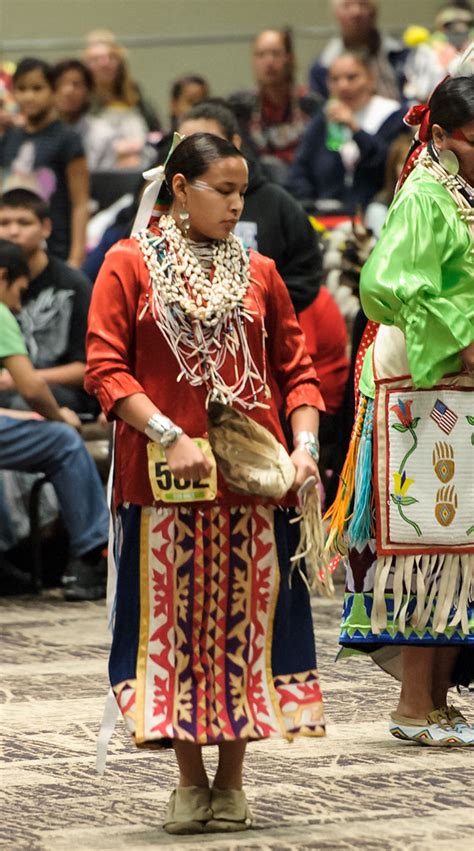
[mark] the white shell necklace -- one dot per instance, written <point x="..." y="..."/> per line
<point x="204" y="321"/>
<point x="453" y="183"/>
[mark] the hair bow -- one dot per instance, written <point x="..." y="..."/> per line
<point x="419" y="116"/>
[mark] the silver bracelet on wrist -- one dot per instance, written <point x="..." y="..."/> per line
<point x="309" y="442"/>
<point x="162" y="430"/>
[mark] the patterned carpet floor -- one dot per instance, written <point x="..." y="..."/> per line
<point x="356" y="789"/>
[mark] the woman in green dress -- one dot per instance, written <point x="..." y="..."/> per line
<point x="405" y="508"/>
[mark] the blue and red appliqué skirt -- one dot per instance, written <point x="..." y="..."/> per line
<point x="211" y="643"/>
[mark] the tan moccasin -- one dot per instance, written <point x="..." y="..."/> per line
<point x="230" y="811"/>
<point x="188" y="810"/>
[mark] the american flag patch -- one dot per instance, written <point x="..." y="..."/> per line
<point x="443" y="416"/>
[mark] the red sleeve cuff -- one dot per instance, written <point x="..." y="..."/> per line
<point x="304" y="394"/>
<point x="113" y="388"/>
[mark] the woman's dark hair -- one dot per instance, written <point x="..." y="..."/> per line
<point x="73" y="65"/>
<point x="31" y="63"/>
<point x="452" y="103"/>
<point x="214" y="109"/>
<point x="189" y="80"/>
<point x="195" y="154"/>
<point x="287" y="41"/>
<point x="13" y="261"/>
<point x="287" y="38"/>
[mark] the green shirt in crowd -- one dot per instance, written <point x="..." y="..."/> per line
<point x="11" y="339"/>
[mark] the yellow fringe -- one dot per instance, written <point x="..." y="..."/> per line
<point x="338" y="513"/>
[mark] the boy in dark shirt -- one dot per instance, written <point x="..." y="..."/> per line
<point x="47" y="157"/>
<point x="53" y="319"/>
<point x="52" y="448"/>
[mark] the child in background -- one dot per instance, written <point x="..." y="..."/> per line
<point x="47" y="157"/>
<point x="73" y="87"/>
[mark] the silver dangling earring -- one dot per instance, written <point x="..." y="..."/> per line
<point x="449" y="161"/>
<point x="184" y="219"/>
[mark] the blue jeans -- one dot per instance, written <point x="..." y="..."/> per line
<point x="56" y="450"/>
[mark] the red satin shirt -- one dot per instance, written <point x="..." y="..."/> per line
<point x="127" y="354"/>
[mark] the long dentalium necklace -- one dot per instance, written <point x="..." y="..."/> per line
<point x="203" y="320"/>
<point x="458" y="188"/>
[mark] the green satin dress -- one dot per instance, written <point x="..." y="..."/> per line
<point x="420" y="278"/>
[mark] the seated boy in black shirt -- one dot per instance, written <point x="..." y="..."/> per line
<point x="53" y="318"/>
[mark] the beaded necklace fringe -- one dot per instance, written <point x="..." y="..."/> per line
<point x="453" y="184"/>
<point x="204" y="321"/>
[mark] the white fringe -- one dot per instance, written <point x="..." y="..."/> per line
<point x="439" y="584"/>
<point x="109" y="721"/>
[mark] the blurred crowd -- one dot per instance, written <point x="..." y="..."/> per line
<point x="324" y="159"/>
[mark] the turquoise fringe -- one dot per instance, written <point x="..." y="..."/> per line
<point x="361" y="526"/>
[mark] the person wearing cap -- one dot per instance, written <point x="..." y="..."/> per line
<point x="430" y="62"/>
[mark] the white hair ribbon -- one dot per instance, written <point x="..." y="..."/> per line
<point x="155" y="178"/>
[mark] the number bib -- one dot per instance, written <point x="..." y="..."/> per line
<point x="166" y="488"/>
